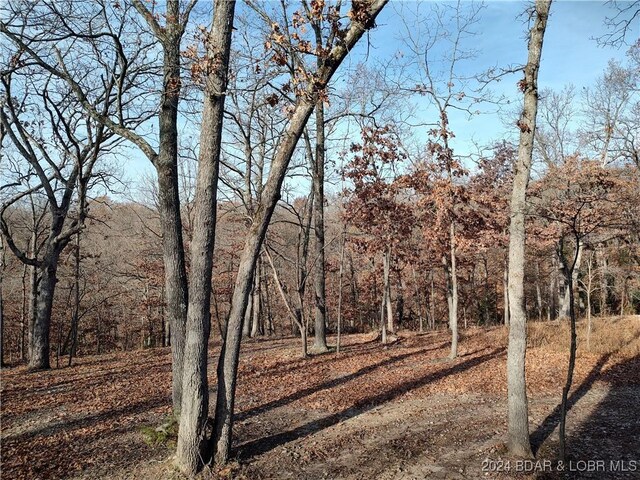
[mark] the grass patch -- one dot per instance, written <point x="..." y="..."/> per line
<point x="620" y="335"/>
<point x="166" y="434"/>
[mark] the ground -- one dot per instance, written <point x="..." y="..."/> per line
<point x="401" y="411"/>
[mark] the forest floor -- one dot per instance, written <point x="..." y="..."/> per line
<point x="401" y="411"/>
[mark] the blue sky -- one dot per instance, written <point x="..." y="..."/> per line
<point x="570" y="55"/>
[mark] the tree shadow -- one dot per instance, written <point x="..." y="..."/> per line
<point x="102" y="442"/>
<point x="107" y="416"/>
<point x="300" y="363"/>
<point x="611" y="433"/>
<point x="549" y="424"/>
<point x="328" y="384"/>
<point x="266" y="444"/>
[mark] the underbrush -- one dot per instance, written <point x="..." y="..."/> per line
<point x="609" y="335"/>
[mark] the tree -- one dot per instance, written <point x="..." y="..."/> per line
<point x="441" y="80"/>
<point x="362" y="16"/>
<point x="296" y="307"/>
<point x="580" y="200"/>
<point x="130" y="65"/>
<point x="59" y="148"/>
<point x="191" y="449"/>
<point x="611" y="108"/>
<point x="376" y="206"/>
<point x="518" y="419"/>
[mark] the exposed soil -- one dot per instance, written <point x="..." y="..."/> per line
<point x="395" y="412"/>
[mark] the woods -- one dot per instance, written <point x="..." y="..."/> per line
<point x="207" y="178"/>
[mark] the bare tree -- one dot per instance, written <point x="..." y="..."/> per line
<point x="60" y="151"/>
<point x="441" y="80"/>
<point x="109" y="30"/>
<point x="191" y="449"/>
<point x="518" y="434"/>
<point x="363" y="14"/>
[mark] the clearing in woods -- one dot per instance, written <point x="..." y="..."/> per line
<point x="394" y="412"/>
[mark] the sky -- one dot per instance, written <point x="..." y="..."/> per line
<point x="571" y="55"/>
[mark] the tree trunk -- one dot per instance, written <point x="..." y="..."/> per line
<point x="175" y="273"/>
<point x="453" y="312"/>
<point x="75" y="316"/>
<point x="33" y="298"/>
<point x="505" y="292"/>
<point x="39" y="359"/>
<point x="320" y="334"/>
<point x="538" y="291"/>
<point x="228" y="362"/>
<point x="518" y="421"/>
<point x="416" y="292"/>
<point x="191" y="452"/>
<point x="340" y="275"/>
<point x="383" y="305"/>
<point x="2" y="267"/>
<point x="400" y="299"/>
<point x="255" y="310"/>
<point x="569" y="270"/>
<point x="24" y="312"/>
<point x="354" y="294"/>
<point x="387" y="291"/>
<point x="604" y="291"/>
<point x="246" y="324"/>
<point x="566" y="299"/>
<point x="432" y="303"/>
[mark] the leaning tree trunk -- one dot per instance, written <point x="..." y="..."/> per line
<point x="229" y="356"/>
<point x="320" y="334"/>
<point x="519" y="443"/>
<point x="191" y="449"/>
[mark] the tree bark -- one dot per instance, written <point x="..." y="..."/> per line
<point x="2" y="267"/>
<point x="505" y="293"/>
<point x="386" y="298"/>
<point x="601" y="262"/>
<point x="166" y="164"/>
<point x="40" y="350"/>
<point x="255" y="310"/>
<point x="75" y="318"/>
<point x="320" y="334"/>
<point x="228" y="362"/>
<point x="566" y="299"/>
<point x="191" y="449"/>
<point x="518" y="420"/>
<point x="340" y="276"/>
<point x="538" y="291"/>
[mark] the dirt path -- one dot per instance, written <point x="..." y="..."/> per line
<point x="397" y="412"/>
<point x="443" y="436"/>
